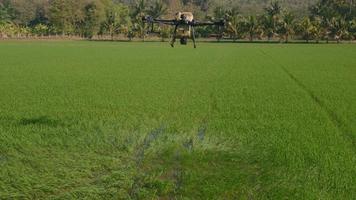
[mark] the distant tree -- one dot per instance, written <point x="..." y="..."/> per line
<point x="139" y="29"/>
<point x="338" y="28"/>
<point x="138" y="26"/>
<point x="329" y="18"/>
<point x="116" y="17"/>
<point x="219" y="12"/>
<point x="306" y="29"/>
<point x="268" y="26"/>
<point x="274" y="9"/>
<point x="345" y="9"/>
<point x="336" y="16"/>
<point x="11" y="30"/>
<point x="233" y="22"/>
<point x="318" y="31"/>
<point x="271" y="18"/>
<point x="252" y="27"/>
<point x="203" y="4"/>
<point x="41" y="30"/>
<point x="352" y="29"/>
<point x="41" y="14"/>
<point x="60" y="15"/>
<point x="286" y="26"/>
<point x="139" y="9"/>
<point x="93" y="16"/>
<point x="6" y="12"/>
<point x="24" y="11"/>
<point x="130" y="33"/>
<point x="158" y="9"/>
<point x="323" y="9"/>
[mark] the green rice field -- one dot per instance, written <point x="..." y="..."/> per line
<point x="131" y="120"/>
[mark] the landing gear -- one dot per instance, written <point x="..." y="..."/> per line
<point x="183" y="39"/>
<point x="193" y="37"/>
<point x="174" y="36"/>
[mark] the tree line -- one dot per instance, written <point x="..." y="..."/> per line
<point x="326" y="19"/>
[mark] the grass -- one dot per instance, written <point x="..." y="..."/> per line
<point x="90" y="120"/>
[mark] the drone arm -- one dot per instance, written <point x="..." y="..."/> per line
<point x="217" y="23"/>
<point x="163" y="21"/>
<point x="151" y="20"/>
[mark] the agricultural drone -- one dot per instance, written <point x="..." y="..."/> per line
<point x="184" y="25"/>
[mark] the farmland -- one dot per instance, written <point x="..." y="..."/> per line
<point x="115" y="120"/>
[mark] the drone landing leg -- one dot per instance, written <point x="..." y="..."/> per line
<point x="193" y="36"/>
<point x="174" y="36"/>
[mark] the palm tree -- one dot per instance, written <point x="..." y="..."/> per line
<point x="251" y="27"/>
<point x="270" y="19"/>
<point x="286" y="26"/>
<point x="274" y="9"/>
<point x="139" y="9"/>
<point x="268" y="27"/>
<point x="233" y="19"/>
<point x="352" y="29"/>
<point x="338" y="28"/>
<point x="157" y="9"/>
<point x="305" y="28"/>
<point x="318" y="31"/>
<point x="40" y="30"/>
<point x="116" y="17"/>
<point x="139" y="27"/>
<point x="219" y="13"/>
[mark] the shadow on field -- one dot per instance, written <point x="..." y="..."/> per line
<point x="43" y="121"/>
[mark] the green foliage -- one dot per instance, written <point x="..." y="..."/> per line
<point x="274" y="9"/>
<point x="41" y="29"/>
<point x="93" y="17"/>
<point x="158" y="9"/>
<point x="306" y="29"/>
<point x="331" y="19"/>
<point x="60" y="16"/>
<point x="352" y="29"/>
<point x="286" y="26"/>
<point x="139" y="9"/>
<point x="234" y="23"/>
<point x="335" y="8"/>
<point x="268" y="26"/>
<point x="138" y="26"/>
<point x="318" y="31"/>
<point x="11" y="30"/>
<point x="338" y="28"/>
<point x="6" y="12"/>
<point x="116" y="19"/>
<point x="252" y="27"/>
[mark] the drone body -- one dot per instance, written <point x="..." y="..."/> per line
<point x="184" y="24"/>
<point x="184" y="32"/>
